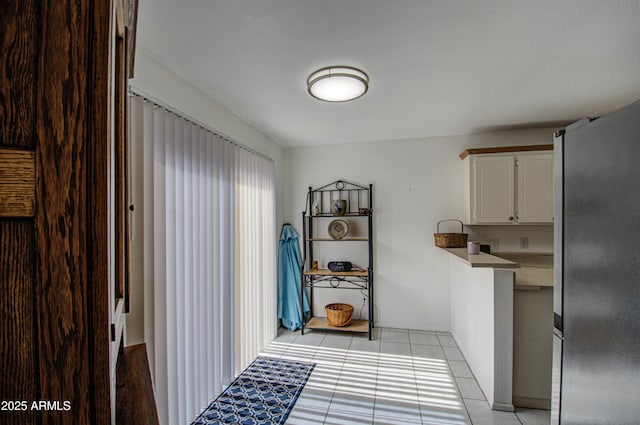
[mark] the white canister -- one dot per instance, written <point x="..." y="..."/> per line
<point x="473" y="248"/>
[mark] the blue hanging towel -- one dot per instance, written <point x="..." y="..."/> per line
<point x="289" y="269"/>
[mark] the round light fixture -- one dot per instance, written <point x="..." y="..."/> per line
<point x="338" y="83"/>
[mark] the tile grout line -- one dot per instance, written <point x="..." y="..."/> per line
<point x="451" y="375"/>
<point x="375" y="389"/>
<point x="477" y="383"/>
<point x="310" y="359"/>
<point x="342" y="366"/>
<point x="415" y="378"/>
<point x="456" y="382"/>
<point x="333" y="392"/>
<point x="412" y="368"/>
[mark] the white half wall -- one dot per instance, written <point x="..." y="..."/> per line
<point x="157" y="81"/>
<point x="416" y="184"/>
<point x="482" y="325"/>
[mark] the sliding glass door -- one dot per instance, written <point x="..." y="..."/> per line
<point x="203" y="231"/>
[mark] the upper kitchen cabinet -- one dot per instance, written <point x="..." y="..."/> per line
<point x="509" y="185"/>
<point x="492" y="189"/>
<point x="534" y="193"/>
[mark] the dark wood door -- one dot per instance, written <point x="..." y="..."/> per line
<point x="56" y="203"/>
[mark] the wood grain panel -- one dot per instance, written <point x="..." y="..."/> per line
<point x="505" y="149"/>
<point x="71" y="128"/>
<point x="54" y="85"/>
<point x="132" y="24"/>
<point x="120" y="141"/>
<point x="98" y="197"/>
<point x="17" y="183"/>
<point x="17" y="342"/>
<point x="19" y="34"/>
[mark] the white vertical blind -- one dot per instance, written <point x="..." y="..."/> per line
<point x="206" y="219"/>
<point x="256" y="291"/>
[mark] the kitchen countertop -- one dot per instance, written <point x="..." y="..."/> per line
<point x="536" y="269"/>
<point x="533" y="277"/>
<point x="480" y="260"/>
<point x="532" y="270"/>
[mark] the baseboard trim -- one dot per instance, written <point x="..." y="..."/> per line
<point x="503" y="407"/>
<point x="532" y="402"/>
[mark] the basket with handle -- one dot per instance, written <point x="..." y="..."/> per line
<point x="450" y="240"/>
<point x="339" y="314"/>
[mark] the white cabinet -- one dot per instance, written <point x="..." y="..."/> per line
<point x="512" y="188"/>
<point x="493" y="194"/>
<point x="535" y="188"/>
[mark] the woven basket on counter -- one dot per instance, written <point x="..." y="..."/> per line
<point x="451" y="240"/>
<point x="339" y="314"/>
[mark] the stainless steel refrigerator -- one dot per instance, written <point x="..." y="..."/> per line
<point x="596" y="373"/>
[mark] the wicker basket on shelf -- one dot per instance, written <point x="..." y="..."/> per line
<point x="451" y="240"/>
<point x="339" y="314"/>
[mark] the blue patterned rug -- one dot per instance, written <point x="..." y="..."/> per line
<point x="263" y="394"/>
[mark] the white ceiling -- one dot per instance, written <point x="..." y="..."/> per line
<point x="437" y="68"/>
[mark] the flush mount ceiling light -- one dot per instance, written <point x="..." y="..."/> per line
<point x="338" y="83"/>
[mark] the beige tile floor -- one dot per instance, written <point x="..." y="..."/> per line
<point x="401" y="377"/>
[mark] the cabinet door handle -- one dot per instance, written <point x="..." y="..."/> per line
<point x="510" y="218"/>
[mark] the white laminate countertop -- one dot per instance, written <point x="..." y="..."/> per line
<point x="534" y="277"/>
<point x="536" y="269"/>
<point x="480" y="260"/>
<point x="532" y="271"/>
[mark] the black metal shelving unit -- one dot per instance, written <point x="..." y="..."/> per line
<point x="359" y="207"/>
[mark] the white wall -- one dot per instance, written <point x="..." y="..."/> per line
<point x="416" y="183"/>
<point x="507" y="238"/>
<point x="159" y="82"/>
<point x="165" y="86"/>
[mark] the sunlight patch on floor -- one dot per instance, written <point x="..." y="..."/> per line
<point x="359" y="385"/>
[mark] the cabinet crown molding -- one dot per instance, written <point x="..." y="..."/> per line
<point x="505" y="149"/>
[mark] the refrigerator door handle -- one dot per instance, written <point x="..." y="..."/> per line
<point x="558" y="333"/>
<point x="558" y="322"/>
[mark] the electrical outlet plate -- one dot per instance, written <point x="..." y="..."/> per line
<point x="524" y="243"/>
